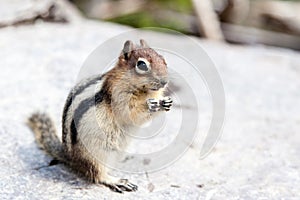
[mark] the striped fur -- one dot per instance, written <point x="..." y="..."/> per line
<point x="78" y="89"/>
<point x="99" y="114"/>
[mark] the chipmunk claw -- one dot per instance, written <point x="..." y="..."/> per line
<point x="153" y="105"/>
<point x="115" y="188"/>
<point x="166" y="103"/>
<point x="123" y="185"/>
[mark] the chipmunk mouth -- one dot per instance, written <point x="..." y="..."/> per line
<point x="154" y="89"/>
<point x="158" y="85"/>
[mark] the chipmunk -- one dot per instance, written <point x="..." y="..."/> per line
<point x="120" y="100"/>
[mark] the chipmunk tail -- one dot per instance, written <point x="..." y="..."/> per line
<point x="45" y="134"/>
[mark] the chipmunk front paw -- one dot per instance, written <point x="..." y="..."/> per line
<point x="166" y="103"/>
<point x="153" y="105"/>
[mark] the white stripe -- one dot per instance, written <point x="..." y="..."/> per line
<point x="77" y="99"/>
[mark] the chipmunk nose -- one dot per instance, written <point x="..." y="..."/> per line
<point x="163" y="82"/>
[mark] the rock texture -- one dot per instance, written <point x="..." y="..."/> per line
<point x="257" y="156"/>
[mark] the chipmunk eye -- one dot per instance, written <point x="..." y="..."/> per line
<point x="142" y="66"/>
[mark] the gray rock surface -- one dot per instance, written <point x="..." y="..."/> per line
<point x="257" y="156"/>
<point x="29" y="11"/>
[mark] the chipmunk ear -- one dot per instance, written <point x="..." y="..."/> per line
<point x="128" y="47"/>
<point x="144" y="43"/>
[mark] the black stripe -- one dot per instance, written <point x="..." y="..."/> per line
<point x="85" y="105"/>
<point x="74" y="92"/>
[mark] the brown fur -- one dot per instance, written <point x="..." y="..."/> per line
<point x="124" y="105"/>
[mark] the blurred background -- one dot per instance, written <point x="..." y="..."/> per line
<point x="45" y="43"/>
<point x="270" y="22"/>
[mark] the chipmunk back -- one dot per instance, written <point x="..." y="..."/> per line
<point x="102" y="111"/>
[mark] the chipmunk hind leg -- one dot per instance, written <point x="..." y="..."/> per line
<point x="98" y="173"/>
<point x="93" y="168"/>
<point x="114" y="183"/>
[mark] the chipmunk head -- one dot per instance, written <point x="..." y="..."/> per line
<point x="148" y="68"/>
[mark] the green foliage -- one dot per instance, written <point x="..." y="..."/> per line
<point x="146" y="18"/>
<point x="184" y="6"/>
